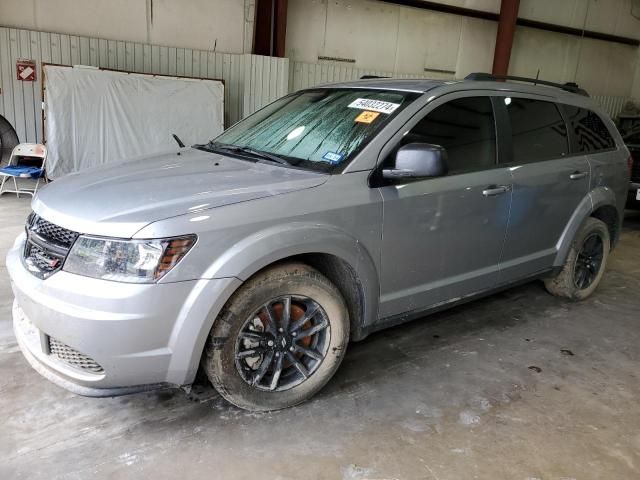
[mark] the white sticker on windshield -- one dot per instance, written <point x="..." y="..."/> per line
<point x="374" y="105"/>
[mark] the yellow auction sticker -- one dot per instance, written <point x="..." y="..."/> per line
<point x="367" y="117"/>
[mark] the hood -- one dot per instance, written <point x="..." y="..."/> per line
<point x="120" y="199"/>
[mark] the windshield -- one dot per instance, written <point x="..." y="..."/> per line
<point x="320" y="129"/>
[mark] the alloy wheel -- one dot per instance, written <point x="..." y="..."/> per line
<point x="588" y="261"/>
<point x="283" y="343"/>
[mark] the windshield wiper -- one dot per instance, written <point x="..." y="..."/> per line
<point x="263" y="155"/>
<point x="248" y="151"/>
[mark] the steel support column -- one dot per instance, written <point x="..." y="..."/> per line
<point x="504" y="37"/>
<point x="270" y="28"/>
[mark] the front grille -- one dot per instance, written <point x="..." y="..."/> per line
<point x="47" y="246"/>
<point x="73" y="357"/>
<point x="39" y="258"/>
<point x="52" y="232"/>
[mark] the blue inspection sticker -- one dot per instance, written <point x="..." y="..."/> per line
<point x="333" y="157"/>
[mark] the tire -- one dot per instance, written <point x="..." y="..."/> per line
<point x="250" y="322"/>
<point x="567" y="283"/>
<point x="8" y="140"/>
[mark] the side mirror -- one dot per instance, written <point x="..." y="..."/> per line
<point x="418" y="160"/>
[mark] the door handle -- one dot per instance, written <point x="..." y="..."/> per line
<point x="493" y="190"/>
<point x="578" y="175"/>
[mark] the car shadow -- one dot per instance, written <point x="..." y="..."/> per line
<point x="386" y="350"/>
<point x="380" y="356"/>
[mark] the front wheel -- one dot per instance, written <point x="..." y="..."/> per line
<point x="279" y="339"/>
<point x="585" y="264"/>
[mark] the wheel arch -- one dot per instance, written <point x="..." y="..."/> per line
<point x="346" y="279"/>
<point x="599" y="203"/>
<point x="609" y="215"/>
<point x="333" y="252"/>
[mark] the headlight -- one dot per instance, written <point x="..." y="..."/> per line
<point x="133" y="261"/>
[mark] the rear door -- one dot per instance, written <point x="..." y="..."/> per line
<point x="442" y="237"/>
<point x="548" y="184"/>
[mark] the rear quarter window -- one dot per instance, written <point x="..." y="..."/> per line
<point x="589" y="133"/>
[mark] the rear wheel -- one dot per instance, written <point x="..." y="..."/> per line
<point x="280" y="338"/>
<point x="585" y="262"/>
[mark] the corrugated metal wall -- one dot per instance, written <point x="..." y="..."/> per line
<point x="612" y="105"/>
<point x="251" y="81"/>
<point x="265" y="80"/>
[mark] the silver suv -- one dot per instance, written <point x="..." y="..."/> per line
<point x="329" y="214"/>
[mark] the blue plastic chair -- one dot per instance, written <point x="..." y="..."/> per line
<point x="14" y="170"/>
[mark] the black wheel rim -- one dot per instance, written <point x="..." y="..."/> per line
<point x="282" y="343"/>
<point x="588" y="261"/>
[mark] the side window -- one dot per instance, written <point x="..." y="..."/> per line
<point x="538" y="130"/>
<point x="465" y="127"/>
<point x="590" y="134"/>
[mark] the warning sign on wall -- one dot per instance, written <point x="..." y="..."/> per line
<point x="26" y="70"/>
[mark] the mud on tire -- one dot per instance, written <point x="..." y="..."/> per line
<point x="254" y="322"/>
<point x="569" y="283"/>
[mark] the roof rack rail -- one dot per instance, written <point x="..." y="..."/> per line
<point x="488" y="77"/>
<point x="371" y="77"/>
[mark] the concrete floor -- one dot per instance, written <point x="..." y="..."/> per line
<point x="517" y="386"/>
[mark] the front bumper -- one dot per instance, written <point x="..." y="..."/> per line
<point x="142" y="336"/>
<point x="56" y="371"/>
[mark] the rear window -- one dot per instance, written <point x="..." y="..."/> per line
<point x="590" y="134"/>
<point x="539" y="132"/>
<point x="320" y="129"/>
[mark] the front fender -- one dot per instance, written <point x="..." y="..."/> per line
<point x="242" y="260"/>
<point x="267" y="246"/>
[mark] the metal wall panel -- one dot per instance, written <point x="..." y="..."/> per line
<point x="251" y="81"/>
<point x="265" y="80"/>
<point x="612" y="105"/>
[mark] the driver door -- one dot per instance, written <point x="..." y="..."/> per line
<point x="443" y="237"/>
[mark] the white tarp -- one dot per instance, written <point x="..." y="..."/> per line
<point x="96" y="116"/>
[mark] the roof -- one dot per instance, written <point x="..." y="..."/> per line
<point x="422" y="85"/>
<point x="418" y="85"/>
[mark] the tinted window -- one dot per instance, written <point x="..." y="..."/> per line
<point x="589" y="132"/>
<point x="538" y="131"/>
<point x="465" y="128"/>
